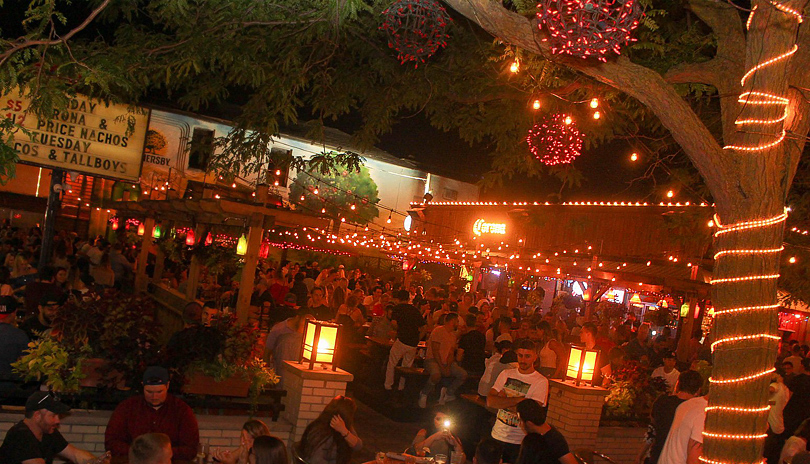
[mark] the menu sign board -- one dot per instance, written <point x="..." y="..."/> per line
<point x="88" y="136"/>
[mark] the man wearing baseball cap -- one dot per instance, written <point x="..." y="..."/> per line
<point x="13" y="342"/>
<point x="36" y="439"/>
<point x="156" y="411"/>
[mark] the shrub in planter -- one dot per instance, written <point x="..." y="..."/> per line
<point x="632" y="393"/>
<point x="115" y="333"/>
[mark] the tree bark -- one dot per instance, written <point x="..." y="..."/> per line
<point x="746" y="185"/>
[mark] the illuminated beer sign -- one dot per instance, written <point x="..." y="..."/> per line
<point x="481" y="227"/>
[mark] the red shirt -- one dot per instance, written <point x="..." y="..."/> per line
<point x="135" y="417"/>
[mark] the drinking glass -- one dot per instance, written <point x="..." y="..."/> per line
<point x="440" y="458"/>
<point x="380" y="457"/>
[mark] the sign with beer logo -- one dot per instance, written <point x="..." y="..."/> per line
<point x="482" y="227"/>
<point x="88" y="136"/>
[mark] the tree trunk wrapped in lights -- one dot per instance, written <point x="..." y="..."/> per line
<point x="764" y="131"/>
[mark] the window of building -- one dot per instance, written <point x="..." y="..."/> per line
<point x="201" y="149"/>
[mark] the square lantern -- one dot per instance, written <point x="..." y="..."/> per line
<point x="581" y="365"/>
<point x="320" y="343"/>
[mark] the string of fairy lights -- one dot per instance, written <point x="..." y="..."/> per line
<point x="753" y="98"/>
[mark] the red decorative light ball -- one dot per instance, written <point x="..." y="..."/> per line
<point x="555" y="140"/>
<point x="416" y="29"/>
<point x="589" y="28"/>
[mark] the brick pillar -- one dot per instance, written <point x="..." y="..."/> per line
<point x="308" y="392"/>
<point x="575" y="412"/>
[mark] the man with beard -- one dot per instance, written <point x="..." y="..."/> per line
<point x="155" y="412"/>
<point x="48" y="306"/>
<point x="36" y="439"/>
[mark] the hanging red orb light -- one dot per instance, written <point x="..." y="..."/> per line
<point x="589" y="28"/>
<point x="555" y="140"/>
<point x="190" y="238"/>
<point x="416" y="29"/>
<point x="114" y="225"/>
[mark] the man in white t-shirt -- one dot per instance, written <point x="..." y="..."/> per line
<point x="668" y="371"/>
<point x="511" y="387"/>
<point x="776" y="419"/>
<point x="685" y="440"/>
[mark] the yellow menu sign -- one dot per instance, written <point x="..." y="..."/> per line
<point x="88" y="136"/>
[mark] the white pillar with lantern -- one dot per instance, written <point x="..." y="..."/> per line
<point x="314" y="380"/>
<point x="575" y="404"/>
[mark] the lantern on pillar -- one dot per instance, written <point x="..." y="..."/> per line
<point x="241" y="246"/>
<point x="581" y="365"/>
<point x="264" y="250"/>
<point x="190" y="239"/>
<point x="320" y="343"/>
<point x="209" y="239"/>
<point x="141" y="229"/>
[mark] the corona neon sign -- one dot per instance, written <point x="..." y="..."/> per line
<point x="481" y="227"/>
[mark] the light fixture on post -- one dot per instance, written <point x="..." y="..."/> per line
<point x="581" y="365"/>
<point x="320" y="343"/>
<point x="241" y="246"/>
<point x="190" y="238"/>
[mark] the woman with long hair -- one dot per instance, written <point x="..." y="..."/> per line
<point x="436" y="438"/>
<point x="337" y="299"/>
<point x="330" y="438"/>
<point x="268" y="449"/>
<point x="251" y="432"/>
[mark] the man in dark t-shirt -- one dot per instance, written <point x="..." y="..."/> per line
<point x="41" y="322"/>
<point x="36" y="439"/>
<point x="797" y="408"/>
<point x="543" y="444"/>
<point x="663" y="411"/>
<point x="472" y="348"/>
<point x="410" y="327"/>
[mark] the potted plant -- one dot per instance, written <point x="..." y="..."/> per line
<point x="234" y="368"/>
<point x="46" y="360"/>
<point x="103" y="342"/>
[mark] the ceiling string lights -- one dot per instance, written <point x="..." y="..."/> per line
<point x="740" y="339"/>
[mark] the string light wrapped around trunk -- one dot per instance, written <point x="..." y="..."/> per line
<point x="555" y="140"/>
<point x="589" y="28"/>
<point x="416" y="29"/>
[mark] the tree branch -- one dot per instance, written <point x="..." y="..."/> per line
<point x="639" y="82"/>
<point x="21" y="45"/>
<point x="705" y="72"/>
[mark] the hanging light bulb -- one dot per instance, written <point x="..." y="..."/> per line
<point x="792" y="260"/>
<point x="515" y="67"/>
<point x="634" y="157"/>
<point x="597" y="115"/>
<point x="190" y="238"/>
<point x="568" y="120"/>
<point x="302" y="198"/>
<point x="388" y="221"/>
<point x="536" y="104"/>
<point x="594" y="103"/>
<point x="670" y="194"/>
<point x="323" y="210"/>
<point x="209" y="239"/>
<point x="353" y="207"/>
<point x="156" y="233"/>
<point x="315" y="191"/>
<point x="241" y="246"/>
<point x="141" y="229"/>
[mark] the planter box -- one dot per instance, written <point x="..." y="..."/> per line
<point x="199" y="384"/>
<point x="94" y="368"/>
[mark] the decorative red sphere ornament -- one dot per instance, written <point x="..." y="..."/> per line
<point x="555" y="140"/>
<point x="416" y="29"/>
<point x="589" y="28"/>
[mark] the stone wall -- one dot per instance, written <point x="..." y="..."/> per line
<point x="85" y="428"/>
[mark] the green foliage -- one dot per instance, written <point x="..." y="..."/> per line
<point x="336" y="193"/>
<point x="47" y="360"/>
